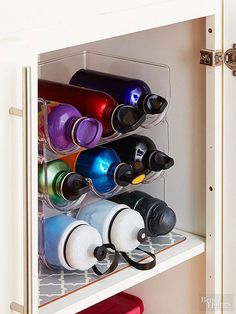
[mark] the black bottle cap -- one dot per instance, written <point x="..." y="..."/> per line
<point x="127" y="118"/>
<point x="125" y="175"/>
<point x="153" y="104"/>
<point x="157" y="161"/>
<point x="74" y="186"/>
<point x="100" y="252"/>
<point x="162" y="220"/>
<point x="159" y="219"/>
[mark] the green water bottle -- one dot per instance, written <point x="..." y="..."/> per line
<point x="59" y="185"/>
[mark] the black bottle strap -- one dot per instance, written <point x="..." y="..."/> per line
<point x="114" y="263"/>
<point x="138" y="265"/>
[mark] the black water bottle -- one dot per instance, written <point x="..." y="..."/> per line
<point x="141" y="153"/>
<point x="159" y="219"/>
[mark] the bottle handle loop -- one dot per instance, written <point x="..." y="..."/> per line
<point x="138" y="265"/>
<point x="114" y="263"/>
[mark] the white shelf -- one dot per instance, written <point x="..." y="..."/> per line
<point x="96" y="292"/>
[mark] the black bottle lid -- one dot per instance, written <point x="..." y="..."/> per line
<point x="100" y="252"/>
<point x="74" y="186"/>
<point x="127" y="118"/>
<point x="125" y="175"/>
<point x="162" y="219"/>
<point x="152" y="104"/>
<point x="157" y="160"/>
<point x="159" y="219"/>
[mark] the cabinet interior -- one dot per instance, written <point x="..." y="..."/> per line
<point x="183" y="132"/>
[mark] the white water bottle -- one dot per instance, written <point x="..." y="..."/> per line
<point x="69" y="243"/>
<point x="117" y="224"/>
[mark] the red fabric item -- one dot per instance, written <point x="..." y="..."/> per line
<point x="121" y="303"/>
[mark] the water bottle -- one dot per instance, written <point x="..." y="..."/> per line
<point x="65" y="129"/>
<point x="126" y="90"/>
<point x="119" y="225"/>
<point x="158" y="217"/>
<point x="104" y="168"/>
<point x="141" y="153"/>
<point x="59" y="185"/>
<point x="115" y="118"/>
<point x="71" y="244"/>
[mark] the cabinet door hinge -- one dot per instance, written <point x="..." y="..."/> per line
<point x="212" y="58"/>
<point x="230" y="59"/>
<point x="216" y="57"/>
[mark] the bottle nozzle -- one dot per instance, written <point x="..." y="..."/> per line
<point x="74" y="186"/>
<point x="126" y="119"/>
<point x="158" y="161"/>
<point x="125" y="175"/>
<point x="153" y="104"/>
<point x="100" y="252"/>
<point x="142" y="235"/>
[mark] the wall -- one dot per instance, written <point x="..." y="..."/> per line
<point x="178" y="47"/>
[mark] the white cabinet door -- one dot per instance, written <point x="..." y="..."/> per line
<point x="11" y="200"/>
<point x="14" y="56"/>
<point x="229" y="170"/>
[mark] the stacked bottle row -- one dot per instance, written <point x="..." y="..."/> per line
<point x="119" y="224"/>
<point x="77" y="116"/>
<point x="72" y="119"/>
<point x="103" y="170"/>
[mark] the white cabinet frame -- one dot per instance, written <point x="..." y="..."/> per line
<point x="31" y="43"/>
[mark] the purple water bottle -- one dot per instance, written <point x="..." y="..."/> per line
<point x="65" y="129"/>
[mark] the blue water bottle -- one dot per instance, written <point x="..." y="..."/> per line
<point x="125" y="90"/>
<point x="104" y="168"/>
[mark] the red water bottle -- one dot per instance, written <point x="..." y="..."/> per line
<point x="95" y="104"/>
